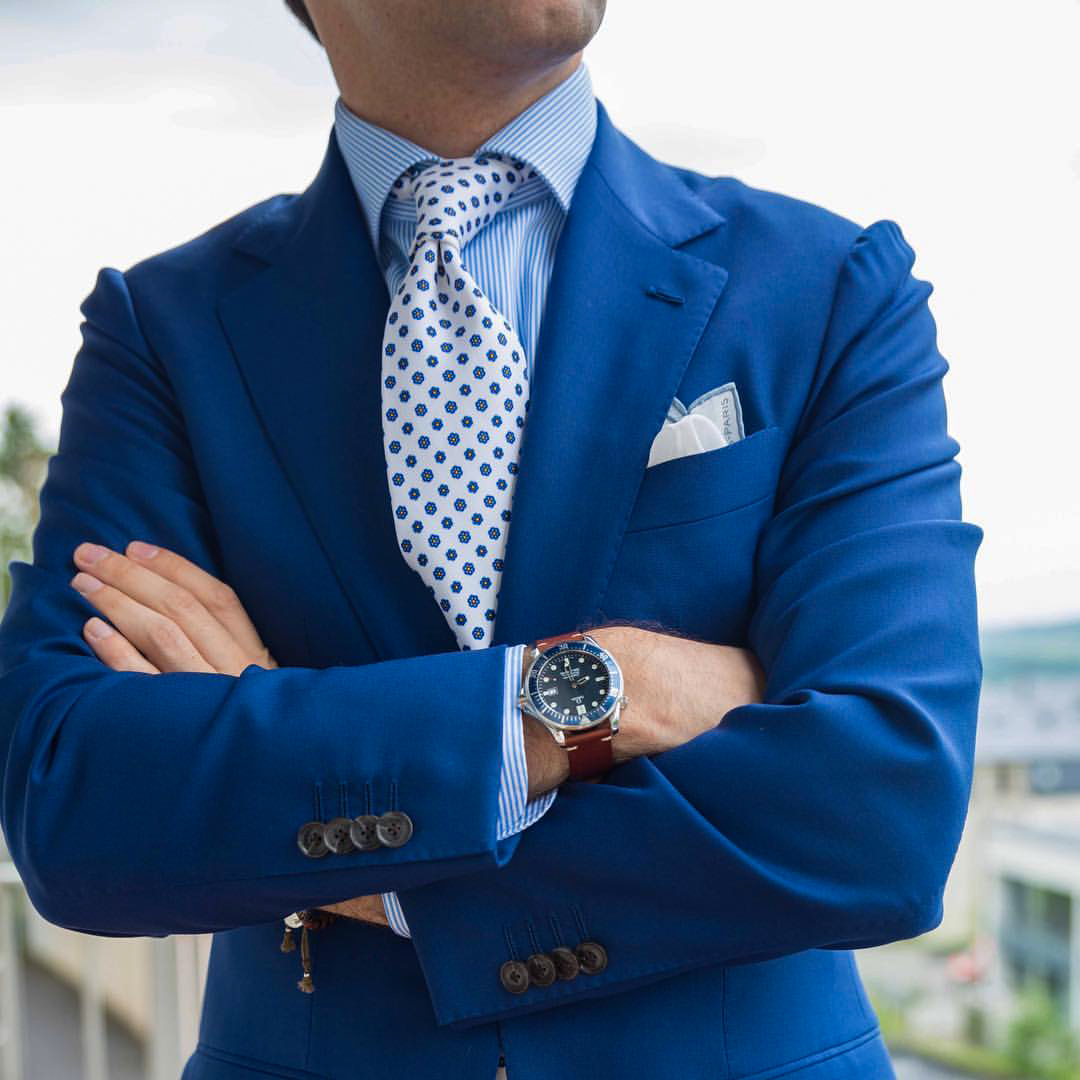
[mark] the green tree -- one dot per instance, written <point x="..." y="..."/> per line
<point x="1039" y="1041"/>
<point x="23" y="461"/>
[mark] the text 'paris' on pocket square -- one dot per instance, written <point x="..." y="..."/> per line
<point x="710" y="421"/>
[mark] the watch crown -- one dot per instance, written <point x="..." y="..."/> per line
<point x="624" y="701"/>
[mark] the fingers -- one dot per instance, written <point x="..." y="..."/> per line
<point x="215" y="595"/>
<point x="113" y="649"/>
<point x="148" y="609"/>
<point x="160" y="640"/>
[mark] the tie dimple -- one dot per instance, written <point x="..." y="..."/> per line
<point x="456" y="197"/>
<point x="455" y="394"/>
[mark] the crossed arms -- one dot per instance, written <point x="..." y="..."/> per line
<point x="169" y="615"/>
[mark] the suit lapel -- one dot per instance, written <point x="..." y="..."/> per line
<point x="306" y="331"/>
<point x="610" y="358"/>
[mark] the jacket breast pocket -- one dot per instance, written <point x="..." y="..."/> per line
<point x="687" y="556"/>
<point x="716" y="481"/>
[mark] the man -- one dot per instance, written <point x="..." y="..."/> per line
<point x="291" y="450"/>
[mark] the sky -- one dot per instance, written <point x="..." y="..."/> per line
<point x="129" y="126"/>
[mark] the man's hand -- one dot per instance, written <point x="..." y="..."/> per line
<point x="170" y="615"/>
<point x="167" y="613"/>
<point x="677" y="688"/>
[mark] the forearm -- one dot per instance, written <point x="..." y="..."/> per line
<point x="547" y="761"/>
<point x="676" y="686"/>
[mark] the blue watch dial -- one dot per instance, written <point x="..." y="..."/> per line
<point x="574" y="685"/>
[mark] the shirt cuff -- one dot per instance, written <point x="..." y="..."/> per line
<point x="516" y="810"/>
<point x="394" y="915"/>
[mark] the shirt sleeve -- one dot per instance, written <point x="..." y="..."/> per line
<point x="516" y="810"/>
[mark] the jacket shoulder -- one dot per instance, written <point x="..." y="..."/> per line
<point x="210" y="260"/>
<point x="792" y="246"/>
<point x="797" y="239"/>
<point x="762" y="210"/>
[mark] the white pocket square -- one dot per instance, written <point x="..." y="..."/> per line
<point x="710" y="421"/>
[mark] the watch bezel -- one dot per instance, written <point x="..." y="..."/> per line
<point x="557" y="720"/>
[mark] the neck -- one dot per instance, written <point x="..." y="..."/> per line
<point x="444" y="107"/>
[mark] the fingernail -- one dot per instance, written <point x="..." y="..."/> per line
<point x="141" y="550"/>
<point x="85" y="583"/>
<point x="90" y="553"/>
<point x="98" y="628"/>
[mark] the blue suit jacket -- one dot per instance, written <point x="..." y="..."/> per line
<point x="225" y="403"/>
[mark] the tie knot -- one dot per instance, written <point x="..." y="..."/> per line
<point x="456" y="197"/>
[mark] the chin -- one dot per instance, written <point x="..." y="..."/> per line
<point x="559" y="28"/>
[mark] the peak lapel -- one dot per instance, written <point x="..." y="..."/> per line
<point x="609" y="360"/>
<point x="306" y="332"/>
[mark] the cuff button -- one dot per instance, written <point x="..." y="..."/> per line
<point x="541" y="969"/>
<point x="393" y="828"/>
<point x="311" y="839"/>
<point x="362" y="831"/>
<point x="566" y="963"/>
<point x="514" y="976"/>
<point x="592" y="956"/>
<point x="338" y="838"/>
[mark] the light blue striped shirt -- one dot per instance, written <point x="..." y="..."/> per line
<point x="511" y="259"/>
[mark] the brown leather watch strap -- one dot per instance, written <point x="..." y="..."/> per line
<point x="589" y="753"/>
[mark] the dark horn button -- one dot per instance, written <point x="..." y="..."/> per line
<point x="514" y="976"/>
<point x="592" y="956"/>
<point x="541" y="969"/>
<point x="566" y="963"/>
<point x="362" y="831"/>
<point x="394" y="828"/>
<point x="311" y="839"/>
<point x="338" y="836"/>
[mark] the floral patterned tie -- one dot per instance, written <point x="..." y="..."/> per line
<point x="454" y="394"/>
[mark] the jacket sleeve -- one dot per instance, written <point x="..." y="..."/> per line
<point x="156" y="804"/>
<point x="516" y="810"/>
<point x="827" y="816"/>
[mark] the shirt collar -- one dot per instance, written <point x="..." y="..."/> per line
<point x="554" y="135"/>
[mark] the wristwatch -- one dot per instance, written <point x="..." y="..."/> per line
<point x="574" y="687"/>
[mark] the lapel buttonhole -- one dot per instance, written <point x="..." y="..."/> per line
<point x="663" y="294"/>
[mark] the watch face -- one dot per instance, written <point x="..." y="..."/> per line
<point x="574" y="685"/>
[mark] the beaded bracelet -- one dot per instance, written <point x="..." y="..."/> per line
<point x="314" y="919"/>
